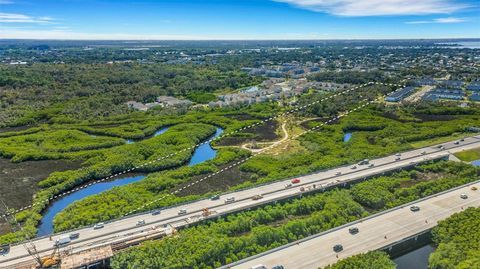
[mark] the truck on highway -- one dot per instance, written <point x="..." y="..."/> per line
<point x="62" y="241"/>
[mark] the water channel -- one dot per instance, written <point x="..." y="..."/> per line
<point x="347" y="137"/>
<point x="416" y="259"/>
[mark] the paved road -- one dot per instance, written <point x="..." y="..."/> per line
<point x="398" y="224"/>
<point x="123" y="229"/>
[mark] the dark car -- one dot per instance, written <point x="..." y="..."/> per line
<point x="74" y="235"/>
<point x="4" y="249"/>
<point x="215" y="197"/>
<point x="278" y="267"/>
<point x="353" y="230"/>
<point x="337" y="248"/>
<point x="156" y="212"/>
<point x="414" y="208"/>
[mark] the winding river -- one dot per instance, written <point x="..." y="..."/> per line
<point x="201" y="154"/>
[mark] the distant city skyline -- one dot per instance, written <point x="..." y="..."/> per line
<point x="238" y="20"/>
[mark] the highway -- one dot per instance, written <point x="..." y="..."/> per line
<point x="317" y="251"/>
<point x="126" y="228"/>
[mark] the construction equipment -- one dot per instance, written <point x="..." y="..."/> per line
<point x="50" y="260"/>
<point x="206" y="212"/>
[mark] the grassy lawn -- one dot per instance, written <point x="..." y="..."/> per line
<point x="469" y="155"/>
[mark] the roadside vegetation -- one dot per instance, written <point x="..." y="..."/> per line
<point x="237" y="236"/>
<point x="458" y="241"/>
<point x="370" y="260"/>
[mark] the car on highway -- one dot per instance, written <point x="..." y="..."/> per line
<point x="295" y="181"/>
<point x="461" y="140"/>
<point x="278" y="267"/>
<point x="289" y="185"/>
<point x="74" y="236"/>
<point x="156" y="212"/>
<point x="353" y="167"/>
<point x="464" y="196"/>
<point x="414" y="208"/>
<point x="398" y="154"/>
<point x="424" y="152"/>
<point x="259" y="266"/>
<point x="215" y="197"/>
<point x="337" y="248"/>
<point x="363" y="162"/>
<point x="338" y="173"/>
<point x="141" y="222"/>
<point x="398" y="159"/>
<point x="257" y="197"/>
<point x="473" y="188"/>
<point x="229" y="200"/>
<point x="456" y="142"/>
<point x="99" y="225"/>
<point x="182" y="212"/>
<point x="4" y="249"/>
<point x="353" y="230"/>
<point x="371" y="165"/>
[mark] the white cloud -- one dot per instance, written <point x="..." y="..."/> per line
<point x="439" y="20"/>
<point x="378" y="7"/>
<point x="5" y="2"/>
<point x="21" y="18"/>
<point x="449" y="20"/>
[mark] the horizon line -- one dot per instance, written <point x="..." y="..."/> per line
<point x="214" y="39"/>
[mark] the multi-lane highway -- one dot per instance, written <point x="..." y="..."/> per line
<point x="127" y="228"/>
<point x="374" y="233"/>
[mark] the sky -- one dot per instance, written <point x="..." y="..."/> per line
<point x="239" y="19"/>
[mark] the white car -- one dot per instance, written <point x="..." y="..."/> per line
<point x="463" y="196"/>
<point x="182" y="212"/>
<point x="259" y="266"/>
<point x="338" y="173"/>
<point x="141" y="222"/>
<point x="229" y="200"/>
<point x="99" y="225"/>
